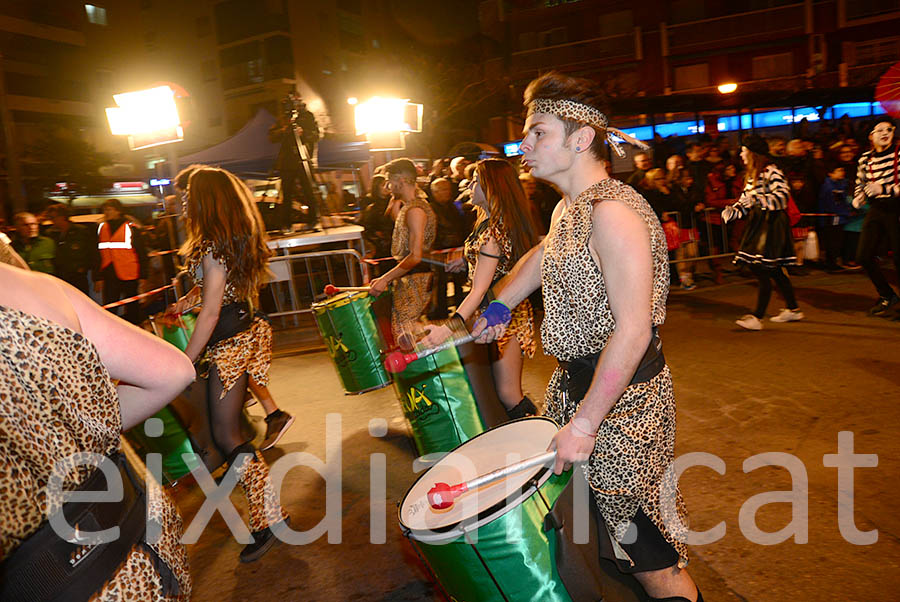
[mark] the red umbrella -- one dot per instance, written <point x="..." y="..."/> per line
<point x="888" y="90"/>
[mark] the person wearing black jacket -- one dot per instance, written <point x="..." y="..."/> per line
<point x="76" y="248"/>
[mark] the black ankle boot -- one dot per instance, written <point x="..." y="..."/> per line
<point x="262" y="543"/>
<point x="523" y="408"/>
<point x="678" y="598"/>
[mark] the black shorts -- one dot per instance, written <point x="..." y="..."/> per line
<point x="649" y="552"/>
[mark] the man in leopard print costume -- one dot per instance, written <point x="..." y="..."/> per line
<point x="604" y="274"/>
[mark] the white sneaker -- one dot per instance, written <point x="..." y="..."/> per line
<point x="750" y="322"/>
<point x="788" y="315"/>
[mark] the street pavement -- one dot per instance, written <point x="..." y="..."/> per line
<point x="788" y="392"/>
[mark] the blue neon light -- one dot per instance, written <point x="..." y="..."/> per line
<point x="768" y="119"/>
<point x="511" y="149"/>
<point x="160" y="181"/>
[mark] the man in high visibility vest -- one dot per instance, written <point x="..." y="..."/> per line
<point x="123" y="260"/>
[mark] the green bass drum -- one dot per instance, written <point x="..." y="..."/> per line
<point x="347" y="325"/>
<point x="490" y="545"/>
<point x="438" y="401"/>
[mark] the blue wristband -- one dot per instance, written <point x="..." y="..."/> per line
<point x="497" y="313"/>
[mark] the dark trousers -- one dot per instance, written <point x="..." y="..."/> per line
<point x="115" y="289"/>
<point x="833" y="237"/>
<point x="77" y="279"/>
<point x="882" y="224"/>
<point x="766" y="275"/>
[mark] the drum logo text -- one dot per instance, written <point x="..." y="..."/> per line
<point x="417" y="402"/>
<point x="339" y="352"/>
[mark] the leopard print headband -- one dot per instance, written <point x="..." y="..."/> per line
<point x="582" y="113"/>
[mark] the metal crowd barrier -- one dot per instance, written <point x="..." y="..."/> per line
<point x="298" y="280"/>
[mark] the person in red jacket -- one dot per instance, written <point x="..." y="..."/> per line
<point x="123" y="260"/>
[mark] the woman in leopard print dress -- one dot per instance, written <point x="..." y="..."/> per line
<point x="604" y="274"/>
<point x="60" y="354"/>
<point x="504" y="231"/>
<point x="227" y="256"/>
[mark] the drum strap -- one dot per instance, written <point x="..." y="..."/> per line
<point x="578" y="373"/>
<point x="47" y="567"/>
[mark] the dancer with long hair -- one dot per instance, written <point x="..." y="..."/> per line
<point x="504" y="231"/>
<point x="767" y="245"/>
<point x="227" y="256"/>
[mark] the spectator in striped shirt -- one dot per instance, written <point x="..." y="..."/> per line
<point x="877" y="186"/>
<point x="766" y="245"/>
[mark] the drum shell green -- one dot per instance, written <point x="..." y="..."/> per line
<point x="438" y="402"/>
<point x="354" y="343"/>
<point x="519" y="554"/>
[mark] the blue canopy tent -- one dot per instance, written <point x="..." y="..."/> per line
<point x="248" y="152"/>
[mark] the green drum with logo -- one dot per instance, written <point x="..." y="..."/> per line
<point x="438" y="401"/>
<point x="178" y="457"/>
<point x="347" y="325"/>
<point x="490" y="545"/>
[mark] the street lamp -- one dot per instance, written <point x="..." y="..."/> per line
<point x="727" y="88"/>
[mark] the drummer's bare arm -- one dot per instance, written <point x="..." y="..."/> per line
<point x="485" y="267"/>
<point x="214" y="276"/>
<point x="415" y="223"/>
<point x="620" y="243"/>
<point x="150" y="372"/>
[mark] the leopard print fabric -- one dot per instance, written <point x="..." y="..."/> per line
<point x="636" y="442"/>
<point x="56" y="399"/>
<point x="248" y="351"/>
<point x="411" y="293"/>
<point x="262" y="500"/>
<point x="521" y="325"/>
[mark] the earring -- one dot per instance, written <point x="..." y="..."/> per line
<point x="577" y="149"/>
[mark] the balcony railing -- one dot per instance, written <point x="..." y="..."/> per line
<point x="736" y="29"/>
<point x="620" y="46"/>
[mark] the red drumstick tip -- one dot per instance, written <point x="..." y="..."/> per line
<point x="396" y="361"/>
<point x="331" y="289"/>
<point x="441" y="496"/>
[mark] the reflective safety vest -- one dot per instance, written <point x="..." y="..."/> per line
<point x="118" y="250"/>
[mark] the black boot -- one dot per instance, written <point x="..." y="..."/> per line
<point x="678" y="598"/>
<point x="523" y="408"/>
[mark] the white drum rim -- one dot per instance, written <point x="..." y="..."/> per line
<point x="497" y="510"/>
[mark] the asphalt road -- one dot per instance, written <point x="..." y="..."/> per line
<point x="788" y="392"/>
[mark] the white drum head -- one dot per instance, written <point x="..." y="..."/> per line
<point x="499" y="447"/>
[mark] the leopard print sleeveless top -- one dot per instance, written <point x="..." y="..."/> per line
<point x="400" y="238"/>
<point x="578" y="320"/>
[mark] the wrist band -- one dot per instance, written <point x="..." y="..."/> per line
<point x="582" y="432"/>
<point x="497" y="312"/>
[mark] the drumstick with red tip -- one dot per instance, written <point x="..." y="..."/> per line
<point x="331" y="289"/>
<point x="441" y="496"/>
<point x="397" y="361"/>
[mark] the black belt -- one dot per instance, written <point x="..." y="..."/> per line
<point x="579" y="372"/>
<point x="48" y="568"/>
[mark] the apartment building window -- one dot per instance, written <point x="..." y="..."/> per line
<point x="685" y="11"/>
<point x="873" y="52"/>
<point x="868" y="9"/>
<point x="688" y="77"/>
<point x="204" y="26"/>
<point x="210" y="70"/>
<point x="350" y="33"/>
<point x="554" y="36"/>
<point x="350" y="6"/>
<point x="528" y="40"/>
<point x="619" y="22"/>
<point x="771" y="66"/>
<point x="95" y="14"/>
